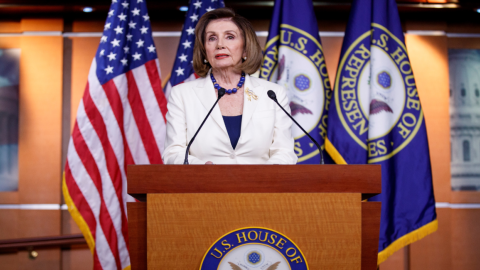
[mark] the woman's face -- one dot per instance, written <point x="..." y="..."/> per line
<point x="224" y="44"/>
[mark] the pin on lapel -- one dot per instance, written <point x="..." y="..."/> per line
<point x="250" y="94"/>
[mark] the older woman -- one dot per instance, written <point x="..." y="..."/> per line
<point x="246" y="127"/>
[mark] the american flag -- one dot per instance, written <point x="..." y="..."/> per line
<point x="120" y="121"/>
<point x="183" y="68"/>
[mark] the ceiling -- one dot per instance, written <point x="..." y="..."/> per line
<point x="464" y="10"/>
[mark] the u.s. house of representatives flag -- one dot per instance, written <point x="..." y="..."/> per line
<point x="183" y="67"/>
<point x="120" y="121"/>
<point x="294" y="58"/>
<point x="375" y="117"/>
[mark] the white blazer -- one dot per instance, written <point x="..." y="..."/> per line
<point x="265" y="136"/>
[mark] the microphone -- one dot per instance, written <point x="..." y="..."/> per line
<point x="221" y="93"/>
<point x="273" y="97"/>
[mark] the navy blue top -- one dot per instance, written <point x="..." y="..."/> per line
<point x="233" y="125"/>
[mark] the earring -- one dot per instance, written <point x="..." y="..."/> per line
<point x="205" y="61"/>
<point x="245" y="58"/>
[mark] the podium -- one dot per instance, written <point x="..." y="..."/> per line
<point x="183" y="210"/>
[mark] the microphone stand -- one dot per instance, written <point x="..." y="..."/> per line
<point x="273" y="97"/>
<point x="221" y="93"/>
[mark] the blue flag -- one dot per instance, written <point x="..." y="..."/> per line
<point x="294" y="58"/>
<point x="182" y="70"/>
<point x="375" y="117"/>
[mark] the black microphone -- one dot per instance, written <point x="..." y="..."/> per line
<point x="273" y="97"/>
<point x="221" y="93"/>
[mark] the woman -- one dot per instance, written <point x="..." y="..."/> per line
<point x="246" y="127"/>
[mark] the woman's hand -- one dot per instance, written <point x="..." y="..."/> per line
<point x="208" y="163"/>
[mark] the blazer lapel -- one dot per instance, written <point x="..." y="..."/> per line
<point x="249" y="105"/>
<point x="206" y="94"/>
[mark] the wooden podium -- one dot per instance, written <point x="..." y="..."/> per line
<point x="185" y="209"/>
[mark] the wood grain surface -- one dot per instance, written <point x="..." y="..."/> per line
<point x="370" y="233"/>
<point x="326" y="227"/>
<point x="137" y="234"/>
<point x="143" y="179"/>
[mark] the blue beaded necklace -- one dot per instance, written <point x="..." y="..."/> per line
<point x="229" y="91"/>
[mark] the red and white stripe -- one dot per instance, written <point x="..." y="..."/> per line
<point x="121" y="122"/>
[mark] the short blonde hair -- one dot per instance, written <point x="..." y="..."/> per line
<point x="251" y="47"/>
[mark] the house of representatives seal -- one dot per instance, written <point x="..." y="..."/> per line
<point x="254" y="248"/>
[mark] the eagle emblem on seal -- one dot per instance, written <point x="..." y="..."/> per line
<point x="271" y="267"/>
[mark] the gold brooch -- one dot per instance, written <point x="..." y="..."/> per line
<point x="250" y="94"/>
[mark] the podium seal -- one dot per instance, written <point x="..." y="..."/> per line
<point x="254" y="248"/>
